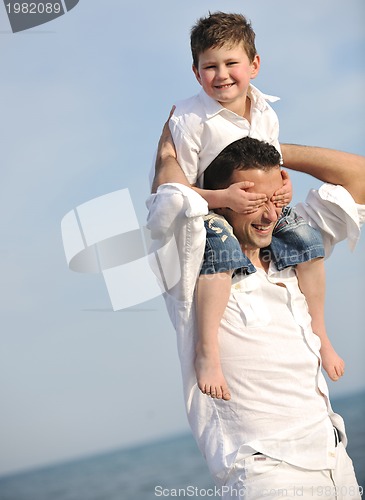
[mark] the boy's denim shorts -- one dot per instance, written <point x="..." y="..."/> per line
<point x="293" y="242"/>
<point x="222" y="251"/>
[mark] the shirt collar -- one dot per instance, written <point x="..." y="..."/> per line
<point x="213" y="108"/>
<point x="259" y="98"/>
<point x="210" y="105"/>
<point x="273" y="271"/>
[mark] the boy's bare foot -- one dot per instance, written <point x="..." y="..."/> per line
<point x="210" y="377"/>
<point x="332" y="363"/>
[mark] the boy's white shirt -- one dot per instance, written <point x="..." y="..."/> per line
<point x="201" y="128"/>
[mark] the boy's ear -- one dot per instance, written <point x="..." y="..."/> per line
<point x="255" y="66"/>
<point x="196" y="73"/>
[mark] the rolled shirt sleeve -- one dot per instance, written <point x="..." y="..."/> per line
<point x="175" y="222"/>
<point x="335" y="213"/>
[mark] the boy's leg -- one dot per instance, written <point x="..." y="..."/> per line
<point x="311" y="278"/>
<point x="296" y="243"/>
<point x="211" y="298"/>
<point x="222" y="256"/>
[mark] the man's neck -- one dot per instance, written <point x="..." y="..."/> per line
<point x="258" y="259"/>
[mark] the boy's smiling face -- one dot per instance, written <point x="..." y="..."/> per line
<point x="225" y="74"/>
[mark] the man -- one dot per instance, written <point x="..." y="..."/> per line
<point x="277" y="435"/>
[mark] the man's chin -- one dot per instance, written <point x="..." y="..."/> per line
<point x="263" y="242"/>
<point x="256" y="245"/>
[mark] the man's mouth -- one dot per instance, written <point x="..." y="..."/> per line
<point x="262" y="228"/>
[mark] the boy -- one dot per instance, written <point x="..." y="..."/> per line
<point x="229" y="108"/>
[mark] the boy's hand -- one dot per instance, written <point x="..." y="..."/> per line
<point x="283" y="196"/>
<point x="239" y="200"/>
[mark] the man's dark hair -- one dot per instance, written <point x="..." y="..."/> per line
<point x="244" y="154"/>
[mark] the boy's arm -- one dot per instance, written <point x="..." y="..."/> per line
<point x="234" y="197"/>
<point x="328" y="165"/>
<point x="168" y="170"/>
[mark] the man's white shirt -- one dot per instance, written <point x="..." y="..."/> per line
<point x="269" y="354"/>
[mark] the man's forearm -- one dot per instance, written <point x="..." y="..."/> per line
<point x="328" y="165"/>
<point x="167" y="169"/>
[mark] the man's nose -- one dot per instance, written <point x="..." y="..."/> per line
<point x="270" y="212"/>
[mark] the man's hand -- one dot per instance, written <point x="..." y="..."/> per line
<point x="283" y="196"/>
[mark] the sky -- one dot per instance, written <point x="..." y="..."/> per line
<point x="83" y="100"/>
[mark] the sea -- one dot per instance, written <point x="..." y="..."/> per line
<point x="164" y="469"/>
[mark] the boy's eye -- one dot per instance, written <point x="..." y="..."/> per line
<point x="232" y="63"/>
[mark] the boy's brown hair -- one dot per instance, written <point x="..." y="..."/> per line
<point x="220" y="29"/>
